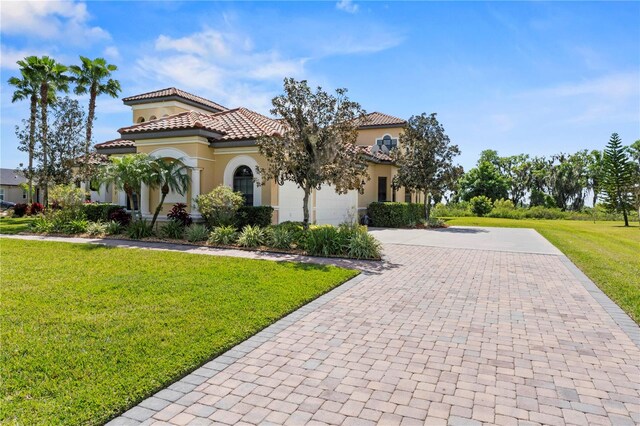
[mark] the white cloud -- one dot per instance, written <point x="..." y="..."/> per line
<point x="51" y="20"/>
<point x="9" y="56"/>
<point x="112" y="53"/>
<point x="347" y="6"/>
<point x="223" y="66"/>
<point x="621" y="85"/>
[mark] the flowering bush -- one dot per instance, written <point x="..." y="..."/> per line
<point x="219" y="207"/>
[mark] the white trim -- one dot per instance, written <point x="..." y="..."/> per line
<point x="244" y="160"/>
<point x="227" y="151"/>
<point x="140" y="142"/>
<point x="176" y="154"/>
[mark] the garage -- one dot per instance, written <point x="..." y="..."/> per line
<point x="333" y="208"/>
<point x="290" y="202"/>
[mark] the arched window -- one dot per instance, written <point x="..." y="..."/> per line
<point x="243" y="183"/>
<point x="387" y="141"/>
<point x="141" y="120"/>
<point x="153" y="117"/>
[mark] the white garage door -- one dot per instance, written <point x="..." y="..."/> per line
<point x="290" y="203"/>
<point x="333" y="208"/>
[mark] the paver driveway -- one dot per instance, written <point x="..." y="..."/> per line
<point x="440" y="335"/>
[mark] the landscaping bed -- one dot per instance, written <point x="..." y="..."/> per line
<point x="88" y="331"/>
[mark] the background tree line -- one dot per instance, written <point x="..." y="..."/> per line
<point x="564" y="181"/>
<point x="58" y="133"/>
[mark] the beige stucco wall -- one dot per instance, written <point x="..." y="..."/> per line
<point x="13" y="194"/>
<point x="160" y="109"/>
<point x="368" y="136"/>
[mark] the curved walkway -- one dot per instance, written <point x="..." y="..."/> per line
<point x="434" y="335"/>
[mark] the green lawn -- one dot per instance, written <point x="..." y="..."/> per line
<point x="13" y="225"/>
<point x="88" y="331"/>
<point x="606" y="252"/>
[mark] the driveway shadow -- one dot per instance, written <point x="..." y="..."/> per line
<point x="460" y="230"/>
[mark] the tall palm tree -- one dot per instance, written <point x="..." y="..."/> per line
<point x="51" y="77"/>
<point x="168" y="176"/>
<point x="128" y="173"/>
<point x="92" y="77"/>
<point x="27" y="87"/>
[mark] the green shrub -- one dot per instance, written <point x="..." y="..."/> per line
<point x="434" y="222"/>
<point x="113" y="227"/>
<point x="68" y="197"/>
<point x="503" y="204"/>
<point x="172" y="229"/>
<point x="219" y="207"/>
<point x="42" y="225"/>
<point x="460" y="209"/>
<point x="99" y="212"/>
<point x="139" y="229"/>
<point x="323" y="240"/>
<point x="252" y="236"/>
<point x="363" y="245"/>
<point x="96" y="228"/>
<point x="282" y="238"/>
<point x="540" y="212"/>
<point x="254" y="215"/>
<point x="196" y="232"/>
<point x="480" y="205"/>
<point x="395" y="215"/>
<point x="76" y="226"/>
<point x="225" y="235"/>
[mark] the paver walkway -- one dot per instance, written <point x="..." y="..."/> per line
<point x="436" y="335"/>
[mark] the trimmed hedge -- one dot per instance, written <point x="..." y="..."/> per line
<point x="395" y="215"/>
<point x="254" y="216"/>
<point x="99" y="212"/>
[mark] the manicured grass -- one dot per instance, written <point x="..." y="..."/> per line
<point x="606" y="252"/>
<point x="10" y="225"/>
<point x="88" y="331"/>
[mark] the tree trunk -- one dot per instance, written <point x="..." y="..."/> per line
<point x="427" y="205"/>
<point x="44" y="91"/>
<point x="87" y="143"/>
<point x="305" y="207"/>
<point x="32" y="143"/>
<point x="157" y="212"/>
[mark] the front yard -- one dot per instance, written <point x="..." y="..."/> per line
<point x="88" y="331"/>
<point x="14" y="225"/>
<point x="606" y="252"/>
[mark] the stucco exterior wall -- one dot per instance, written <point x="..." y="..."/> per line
<point x="367" y="137"/>
<point x="13" y="194"/>
<point x="160" y="109"/>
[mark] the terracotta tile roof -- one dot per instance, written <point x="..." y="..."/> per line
<point x="235" y="124"/>
<point x="172" y="91"/>
<point x="378" y="155"/>
<point x="115" y="143"/>
<point x="375" y="119"/>
<point x="93" y="159"/>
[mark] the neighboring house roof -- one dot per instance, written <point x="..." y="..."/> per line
<point x="94" y="159"/>
<point x="378" y="119"/>
<point x="230" y="125"/>
<point x="171" y="93"/>
<point x="115" y="143"/>
<point x="11" y="177"/>
<point x="377" y="156"/>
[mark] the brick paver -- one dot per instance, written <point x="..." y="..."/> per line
<point x="436" y="336"/>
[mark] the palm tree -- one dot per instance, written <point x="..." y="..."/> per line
<point x="93" y="78"/>
<point x="27" y="87"/>
<point x="51" y="77"/>
<point x="128" y="173"/>
<point x="168" y="176"/>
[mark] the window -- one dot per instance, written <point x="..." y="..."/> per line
<point x="1" y="194"/>
<point x="388" y="142"/>
<point x="94" y="185"/>
<point x="24" y="194"/>
<point x="135" y="201"/>
<point x="153" y="117"/>
<point x="243" y="183"/>
<point x="141" y="120"/>
<point x="382" y="189"/>
<point x="407" y="195"/>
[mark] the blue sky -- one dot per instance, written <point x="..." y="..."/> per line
<point x="537" y="78"/>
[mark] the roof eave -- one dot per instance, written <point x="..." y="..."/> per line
<point x="153" y="134"/>
<point x="117" y="150"/>
<point x="381" y="126"/>
<point x="130" y="102"/>
<point x="238" y="143"/>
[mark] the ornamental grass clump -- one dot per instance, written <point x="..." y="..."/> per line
<point x="323" y="240"/>
<point x="363" y="245"/>
<point x="196" y="233"/>
<point x="252" y="236"/>
<point x="282" y="238"/>
<point x="139" y="229"/>
<point x="113" y="227"/>
<point x="96" y="228"/>
<point x="225" y="235"/>
<point x="172" y="229"/>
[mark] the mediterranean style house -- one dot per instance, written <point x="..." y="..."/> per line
<point x="219" y="147"/>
